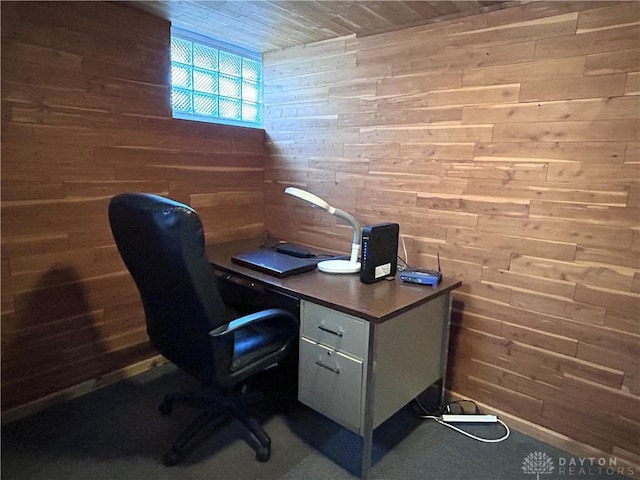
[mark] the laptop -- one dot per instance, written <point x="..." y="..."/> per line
<point x="274" y="263"/>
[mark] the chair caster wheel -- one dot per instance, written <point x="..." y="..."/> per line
<point x="165" y="407"/>
<point x="172" y="458"/>
<point x="263" y="454"/>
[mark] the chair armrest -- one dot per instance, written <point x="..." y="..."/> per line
<point x="247" y="320"/>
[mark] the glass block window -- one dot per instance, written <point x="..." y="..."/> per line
<point x="215" y="82"/>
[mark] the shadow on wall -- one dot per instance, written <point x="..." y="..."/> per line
<point x="51" y="340"/>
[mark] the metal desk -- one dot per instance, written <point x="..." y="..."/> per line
<point x="389" y="340"/>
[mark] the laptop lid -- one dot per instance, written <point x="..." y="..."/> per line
<point x="274" y="263"/>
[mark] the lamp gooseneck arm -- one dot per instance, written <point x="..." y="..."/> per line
<point x="357" y="232"/>
<point x="316" y="201"/>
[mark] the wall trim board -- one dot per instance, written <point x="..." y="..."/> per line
<point x="82" y="389"/>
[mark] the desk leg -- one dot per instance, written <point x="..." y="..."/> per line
<point x="446" y="330"/>
<point x="367" y="430"/>
<point x="367" y="447"/>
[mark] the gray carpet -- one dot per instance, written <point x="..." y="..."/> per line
<point x="118" y="433"/>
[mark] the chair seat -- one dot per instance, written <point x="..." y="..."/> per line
<point x="255" y="342"/>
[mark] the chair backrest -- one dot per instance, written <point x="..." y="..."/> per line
<point x="162" y="244"/>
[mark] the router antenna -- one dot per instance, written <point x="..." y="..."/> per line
<point x="438" y="254"/>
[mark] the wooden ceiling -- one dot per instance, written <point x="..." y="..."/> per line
<point x="265" y="25"/>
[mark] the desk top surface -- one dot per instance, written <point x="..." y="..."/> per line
<point x="374" y="302"/>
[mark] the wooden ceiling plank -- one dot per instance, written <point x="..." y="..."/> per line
<point x="267" y="25"/>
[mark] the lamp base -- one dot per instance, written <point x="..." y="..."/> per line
<point x="339" y="266"/>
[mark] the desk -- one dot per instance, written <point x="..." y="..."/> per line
<point x="365" y="350"/>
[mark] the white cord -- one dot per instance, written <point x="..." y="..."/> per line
<point x="480" y="439"/>
<point x="406" y="260"/>
<point x="459" y="430"/>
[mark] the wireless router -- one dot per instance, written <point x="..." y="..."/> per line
<point x="423" y="277"/>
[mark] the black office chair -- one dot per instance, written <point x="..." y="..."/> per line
<point x="162" y="244"/>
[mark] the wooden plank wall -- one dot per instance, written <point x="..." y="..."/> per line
<point x="86" y="114"/>
<point x="506" y="142"/>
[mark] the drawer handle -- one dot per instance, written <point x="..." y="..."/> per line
<point x="328" y="367"/>
<point x="328" y="330"/>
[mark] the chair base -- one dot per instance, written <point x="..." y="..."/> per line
<point x="218" y="409"/>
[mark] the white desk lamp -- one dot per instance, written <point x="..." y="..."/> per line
<point x="333" y="266"/>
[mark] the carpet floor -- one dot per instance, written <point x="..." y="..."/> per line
<point x="118" y="433"/>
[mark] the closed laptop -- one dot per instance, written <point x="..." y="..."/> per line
<point x="274" y="263"/>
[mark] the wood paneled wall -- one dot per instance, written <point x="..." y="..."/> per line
<point x="506" y="142"/>
<point x="86" y="114"/>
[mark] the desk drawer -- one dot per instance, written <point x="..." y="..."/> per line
<point x="330" y="383"/>
<point x="336" y="330"/>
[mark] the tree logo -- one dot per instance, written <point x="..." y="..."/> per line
<point x="537" y="463"/>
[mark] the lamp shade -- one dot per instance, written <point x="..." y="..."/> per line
<point x="310" y="198"/>
<point x="333" y="266"/>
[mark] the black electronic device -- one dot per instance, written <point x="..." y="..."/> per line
<point x="293" y="250"/>
<point x="379" y="251"/>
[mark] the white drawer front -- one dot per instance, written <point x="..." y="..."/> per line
<point x="336" y="330"/>
<point x="330" y="383"/>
